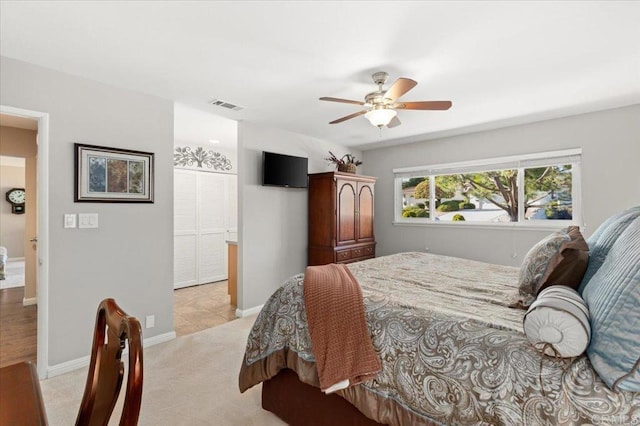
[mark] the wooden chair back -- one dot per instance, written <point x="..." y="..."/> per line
<point x="106" y="371"/>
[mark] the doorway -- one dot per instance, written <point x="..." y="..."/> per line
<point x="35" y="238"/>
<point x="205" y="217"/>
<point x="204" y="220"/>
<point x="18" y="229"/>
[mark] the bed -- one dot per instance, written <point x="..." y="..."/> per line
<point x="452" y="350"/>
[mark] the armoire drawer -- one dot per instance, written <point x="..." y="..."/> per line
<point x="343" y="255"/>
<point x="366" y="252"/>
<point x="357" y="252"/>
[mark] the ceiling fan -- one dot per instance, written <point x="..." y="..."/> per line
<point x="382" y="104"/>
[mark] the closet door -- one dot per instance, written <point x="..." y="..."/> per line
<point x="185" y="240"/>
<point x="205" y="216"/>
<point x="212" y="224"/>
<point x="232" y="204"/>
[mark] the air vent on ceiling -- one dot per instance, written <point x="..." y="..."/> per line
<point x="224" y="104"/>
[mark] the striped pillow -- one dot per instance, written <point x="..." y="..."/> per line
<point x="613" y="298"/>
<point x="603" y="238"/>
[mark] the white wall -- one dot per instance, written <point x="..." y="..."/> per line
<point x="130" y="256"/>
<point x="12" y="226"/>
<point x="610" y="142"/>
<point x="272" y="227"/>
<point x="196" y="128"/>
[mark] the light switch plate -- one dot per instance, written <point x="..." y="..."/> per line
<point x="69" y="220"/>
<point x="88" y="220"/>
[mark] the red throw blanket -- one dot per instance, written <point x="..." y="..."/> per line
<point x="339" y="335"/>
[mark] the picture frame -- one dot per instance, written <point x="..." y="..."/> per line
<point x="112" y="175"/>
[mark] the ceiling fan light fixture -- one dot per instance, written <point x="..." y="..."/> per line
<point x="380" y="105"/>
<point x="380" y="117"/>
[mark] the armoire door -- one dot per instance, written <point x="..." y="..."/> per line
<point x="364" y="213"/>
<point x="346" y="191"/>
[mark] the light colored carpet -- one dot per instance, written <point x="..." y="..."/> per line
<point x="14" y="274"/>
<point x="192" y="380"/>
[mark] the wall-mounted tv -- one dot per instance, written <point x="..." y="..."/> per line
<point x="284" y="170"/>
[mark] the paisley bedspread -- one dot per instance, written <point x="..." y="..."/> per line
<point x="452" y="350"/>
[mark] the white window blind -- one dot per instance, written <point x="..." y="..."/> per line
<point x="554" y="158"/>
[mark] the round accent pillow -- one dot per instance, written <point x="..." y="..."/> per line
<point x="558" y="322"/>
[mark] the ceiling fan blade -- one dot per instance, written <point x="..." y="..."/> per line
<point x="348" y="117"/>
<point x="344" y="101"/>
<point x="399" y="88"/>
<point x="424" y="105"/>
<point x="395" y="121"/>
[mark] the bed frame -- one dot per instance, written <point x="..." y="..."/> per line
<point x="300" y="404"/>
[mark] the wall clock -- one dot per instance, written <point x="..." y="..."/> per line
<point x="16" y="197"/>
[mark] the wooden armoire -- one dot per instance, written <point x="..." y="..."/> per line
<point x="340" y="218"/>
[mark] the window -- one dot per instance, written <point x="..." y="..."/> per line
<point x="531" y="189"/>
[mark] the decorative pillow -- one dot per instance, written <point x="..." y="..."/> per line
<point x="603" y="238"/>
<point x="560" y="258"/>
<point x="558" y="322"/>
<point x="613" y="298"/>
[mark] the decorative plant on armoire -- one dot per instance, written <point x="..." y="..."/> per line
<point x="347" y="163"/>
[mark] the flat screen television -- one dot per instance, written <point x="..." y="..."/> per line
<point x="284" y="170"/>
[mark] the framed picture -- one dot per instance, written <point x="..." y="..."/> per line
<point x="112" y="175"/>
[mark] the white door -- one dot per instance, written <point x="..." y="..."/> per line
<point x="205" y="216"/>
<point x="232" y="203"/>
<point x="185" y="228"/>
<point x="212" y="221"/>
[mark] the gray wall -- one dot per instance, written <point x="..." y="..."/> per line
<point x="130" y="256"/>
<point x="610" y="142"/>
<point x="272" y="223"/>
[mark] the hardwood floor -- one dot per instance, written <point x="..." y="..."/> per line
<point x="18" y="328"/>
<point x="195" y="308"/>
<point x="200" y="307"/>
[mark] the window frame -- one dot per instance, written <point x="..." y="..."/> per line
<point x="519" y="162"/>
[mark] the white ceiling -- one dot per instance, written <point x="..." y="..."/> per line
<point x="194" y="126"/>
<point x="500" y="63"/>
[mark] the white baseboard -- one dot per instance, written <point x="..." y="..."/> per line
<point x="246" y="312"/>
<point x="160" y="338"/>
<point x="14" y="259"/>
<point x="66" y="367"/>
<point x="29" y="301"/>
<point x="75" y="364"/>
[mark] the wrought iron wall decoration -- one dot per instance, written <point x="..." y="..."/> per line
<point x="201" y="158"/>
